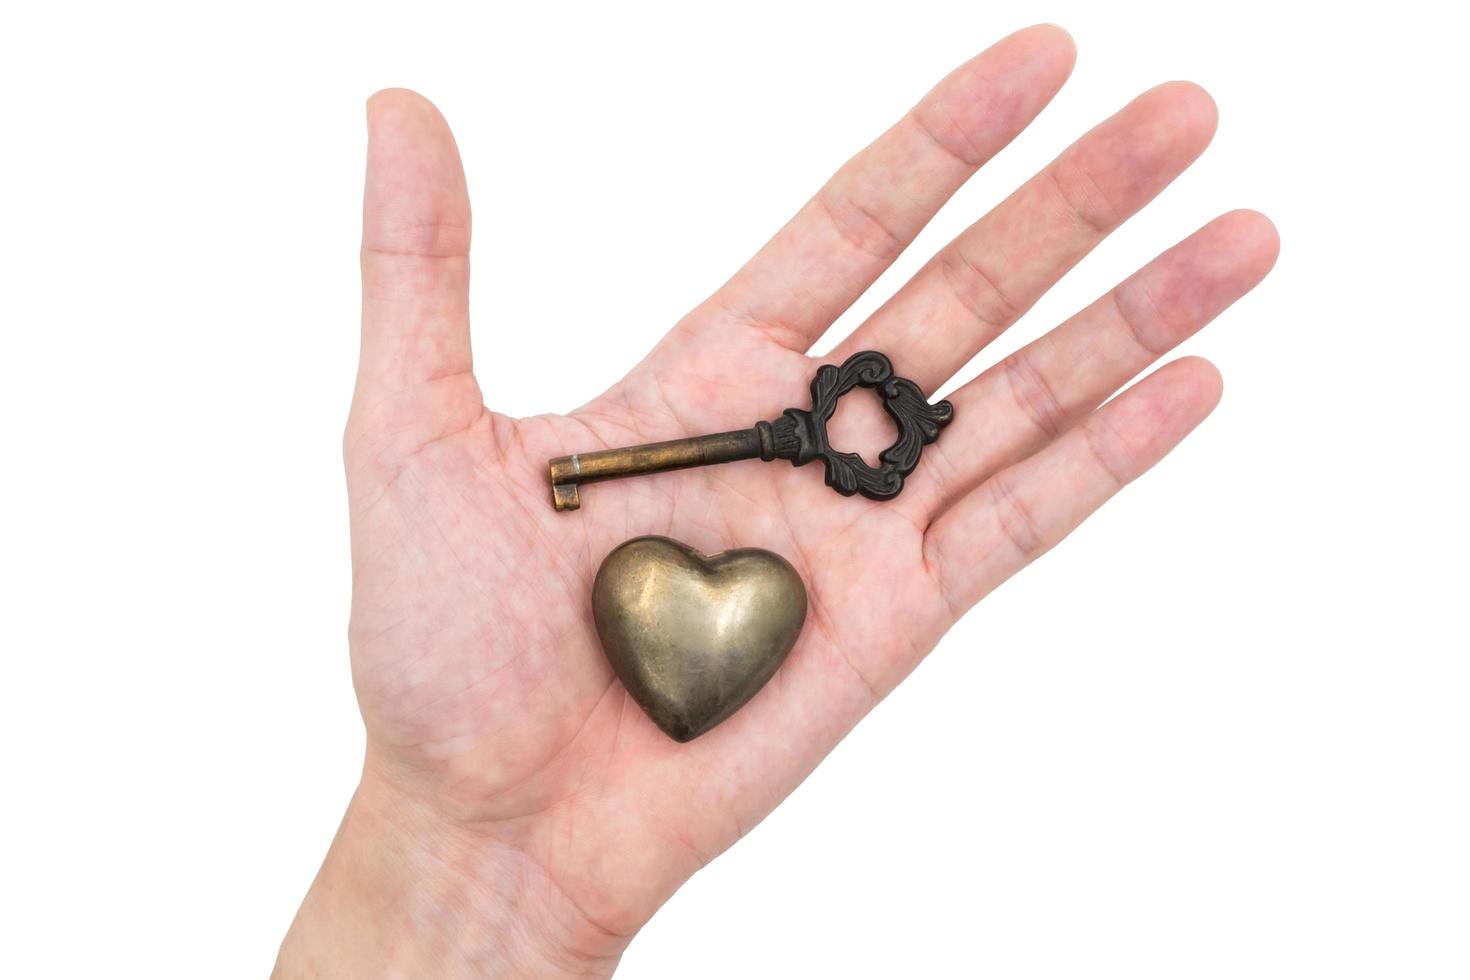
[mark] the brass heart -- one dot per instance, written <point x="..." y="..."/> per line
<point x="693" y="637"/>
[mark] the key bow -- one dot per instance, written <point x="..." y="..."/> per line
<point x="801" y="435"/>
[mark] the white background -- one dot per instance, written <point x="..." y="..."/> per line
<point x="1223" y="731"/>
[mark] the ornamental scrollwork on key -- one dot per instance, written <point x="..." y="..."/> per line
<point x="801" y="436"/>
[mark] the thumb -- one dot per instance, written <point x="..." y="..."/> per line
<point x="415" y="249"/>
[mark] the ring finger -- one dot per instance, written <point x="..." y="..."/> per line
<point x="1032" y="396"/>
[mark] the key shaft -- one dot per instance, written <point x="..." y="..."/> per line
<point x="568" y="472"/>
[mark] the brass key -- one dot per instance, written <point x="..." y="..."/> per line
<point x="799" y="436"/>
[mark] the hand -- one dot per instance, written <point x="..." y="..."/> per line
<point x="517" y="813"/>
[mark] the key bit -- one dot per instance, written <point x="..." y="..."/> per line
<point x="799" y="436"/>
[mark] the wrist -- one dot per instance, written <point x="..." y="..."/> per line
<point x="403" y="892"/>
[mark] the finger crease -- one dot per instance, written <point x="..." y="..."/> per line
<point x="1097" y="428"/>
<point x="1034" y="394"/>
<point x="414" y="253"/>
<point x="1082" y="196"/>
<point x="1016" y="520"/>
<point x="971" y="156"/>
<point x="860" y="228"/>
<point x="787" y="335"/>
<point x="977" y="290"/>
<point x="1132" y="321"/>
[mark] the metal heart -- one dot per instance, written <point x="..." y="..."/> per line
<point x="693" y="637"/>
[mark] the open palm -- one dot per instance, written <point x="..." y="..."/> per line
<point x="496" y="729"/>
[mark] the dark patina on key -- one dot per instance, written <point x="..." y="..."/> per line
<point x="798" y="435"/>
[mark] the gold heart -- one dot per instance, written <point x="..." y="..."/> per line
<point x="691" y="636"/>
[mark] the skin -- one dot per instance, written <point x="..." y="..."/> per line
<point x="517" y="814"/>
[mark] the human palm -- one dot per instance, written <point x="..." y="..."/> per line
<point x="493" y="716"/>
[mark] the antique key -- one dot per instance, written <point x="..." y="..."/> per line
<point x="799" y="436"/>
